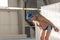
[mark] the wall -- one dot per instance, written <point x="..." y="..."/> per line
<point x="21" y="17"/>
<point x="40" y="3"/>
<point x="53" y="1"/>
<point x="9" y="20"/>
<point x="12" y="3"/>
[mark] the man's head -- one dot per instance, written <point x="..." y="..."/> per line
<point x="29" y="16"/>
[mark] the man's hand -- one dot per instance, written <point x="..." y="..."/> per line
<point x="36" y="22"/>
<point x="56" y="29"/>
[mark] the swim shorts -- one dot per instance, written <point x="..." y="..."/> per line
<point x="49" y="27"/>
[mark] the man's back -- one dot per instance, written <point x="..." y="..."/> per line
<point x="43" y="22"/>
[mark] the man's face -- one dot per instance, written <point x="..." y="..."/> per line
<point x="30" y="20"/>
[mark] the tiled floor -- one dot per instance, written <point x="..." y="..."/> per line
<point x="17" y="39"/>
<point x="25" y="39"/>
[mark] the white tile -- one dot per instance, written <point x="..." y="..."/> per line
<point x="4" y="17"/>
<point x="13" y="17"/>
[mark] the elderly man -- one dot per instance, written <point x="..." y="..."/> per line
<point x="42" y="23"/>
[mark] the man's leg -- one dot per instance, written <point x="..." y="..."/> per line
<point x="49" y="28"/>
<point x="43" y="35"/>
<point x="47" y="34"/>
